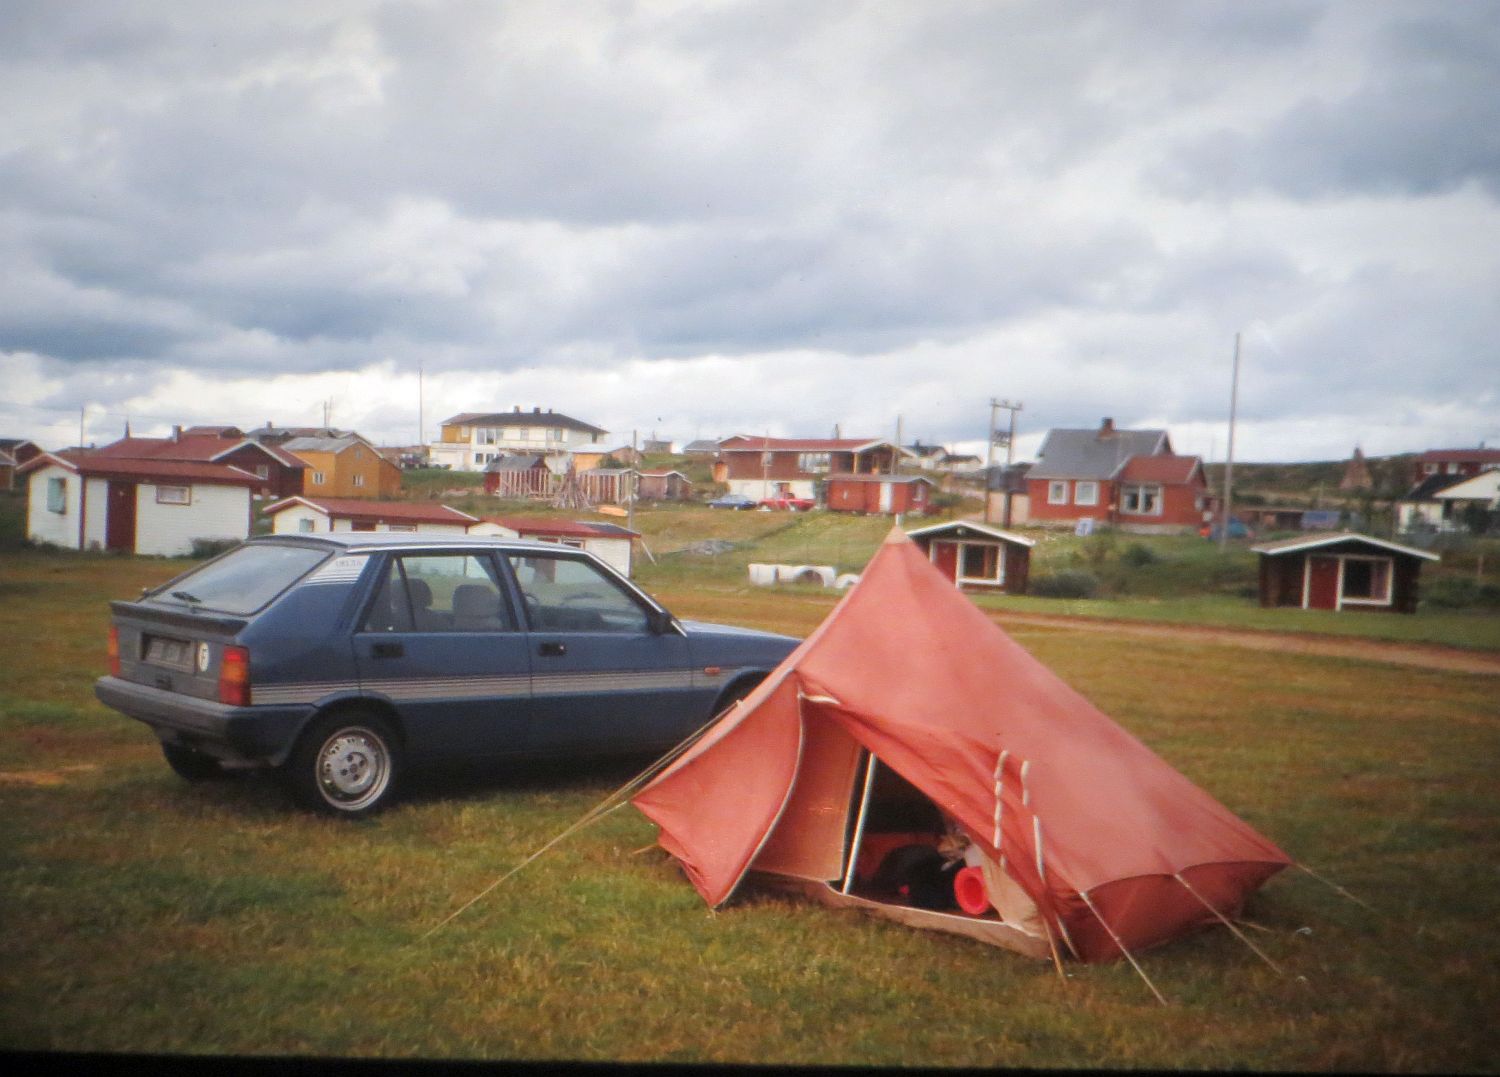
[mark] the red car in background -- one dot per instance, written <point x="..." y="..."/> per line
<point x="790" y="504"/>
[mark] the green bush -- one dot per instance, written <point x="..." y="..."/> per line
<point x="206" y="548"/>
<point x="1066" y="584"/>
<point x="1138" y="555"/>
<point x="1461" y="593"/>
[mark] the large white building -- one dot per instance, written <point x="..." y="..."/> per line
<point x="471" y="440"/>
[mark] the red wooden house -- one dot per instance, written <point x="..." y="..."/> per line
<point x="879" y="493"/>
<point x="767" y="467"/>
<point x="1128" y="478"/>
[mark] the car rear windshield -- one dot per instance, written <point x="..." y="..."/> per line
<point x="243" y="580"/>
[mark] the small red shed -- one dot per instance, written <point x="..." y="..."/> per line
<point x="1340" y="571"/>
<point x="977" y="556"/>
<point x="879" y="493"/>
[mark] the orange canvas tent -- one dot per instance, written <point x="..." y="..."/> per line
<point x="909" y="718"/>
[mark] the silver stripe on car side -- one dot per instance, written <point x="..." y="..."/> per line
<point x="509" y="687"/>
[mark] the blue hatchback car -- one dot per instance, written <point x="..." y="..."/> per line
<point x="345" y="660"/>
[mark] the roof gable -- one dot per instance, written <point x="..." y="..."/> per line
<point x="1297" y="545"/>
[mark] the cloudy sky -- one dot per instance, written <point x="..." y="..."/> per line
<point x="770" y="216"/>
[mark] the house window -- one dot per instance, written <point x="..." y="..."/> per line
<point x="305" y="526"/>
<point x="1057" y="492"/>
<point x="812" y="461"/>
<point x="359" y="480"/>
<point x="980" y="562"/>
<point x="174" y="495"/>
<point x="487" y="436"/>
<point x="1085" y="493"/>
<point x="556" y="433"/>
<point x="1367" y="581"/>
<point x="57" y="495"/>
<point x="263" y="471"/>
<point x="1141" y="499"/>
<point x="317" y="478"/>
<point x="402" y="527"/>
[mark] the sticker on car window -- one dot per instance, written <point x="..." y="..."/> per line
<point x="340" y="570"/>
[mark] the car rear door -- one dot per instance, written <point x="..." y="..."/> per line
<point x="441" y="640"/>
<point x="602" y="679"/>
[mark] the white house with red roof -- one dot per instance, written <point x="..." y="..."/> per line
<point x="611" y="543"/>
<point x="310" y="516"/>
<point x="86" y="500"/>
<point x="767" y="467"/>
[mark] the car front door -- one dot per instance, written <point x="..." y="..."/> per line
<point x="602" y="679"/>
<point x="442" y="643"/>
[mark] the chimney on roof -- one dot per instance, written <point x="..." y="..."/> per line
<point x="535" y="410"/>
<point x="1107" y="428"/>
<point x="177" y="433"/>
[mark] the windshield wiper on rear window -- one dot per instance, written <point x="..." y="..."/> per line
<point x="188" y="596"/>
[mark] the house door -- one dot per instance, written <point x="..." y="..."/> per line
<point x="945" y="557"/>
<point x="887" y="489"/>
<point x="1321" y="590"/>
<point x="119" y="517"/>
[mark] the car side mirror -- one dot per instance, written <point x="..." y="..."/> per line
<point x="659" y="621"/>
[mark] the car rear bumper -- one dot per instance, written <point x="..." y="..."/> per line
<point x="242" y="736"/>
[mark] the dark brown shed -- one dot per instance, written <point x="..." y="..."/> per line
<point x="976" y="555"/>
<point x="1340" y="571"/>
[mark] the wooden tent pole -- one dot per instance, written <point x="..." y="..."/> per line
<point x="859" y="825"/>
<point x="1335" y="886"/>
<point x="1136" y="964"/>
<point x="1240" y="934"/>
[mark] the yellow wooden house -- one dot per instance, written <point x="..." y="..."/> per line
<point x="344" y="467"/>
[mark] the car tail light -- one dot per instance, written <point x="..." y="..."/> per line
<point x="234" y="677"/>
<point x="113" y="650"/>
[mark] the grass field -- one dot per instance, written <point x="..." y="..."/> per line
<point x="143" y="914"/>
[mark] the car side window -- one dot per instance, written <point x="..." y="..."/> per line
<point x="567" y="594"/>
<point x="440" y="592"/>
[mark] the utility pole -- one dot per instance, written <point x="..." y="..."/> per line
<point x="1010" y="454"/>
<point x="1234" y="396"/>
<point x="421" y="407"/>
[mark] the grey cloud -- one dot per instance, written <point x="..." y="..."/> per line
<point x="1425" y="120"/>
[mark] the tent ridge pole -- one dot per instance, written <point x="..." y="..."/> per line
<point x="1238" y="933"/>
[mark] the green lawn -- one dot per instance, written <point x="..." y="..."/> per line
<point x="146" y="915"/>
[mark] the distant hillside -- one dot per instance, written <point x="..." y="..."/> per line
<point x="1301" y="483"/>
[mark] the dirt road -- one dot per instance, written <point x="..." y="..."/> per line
<point x="1421" y="655"/>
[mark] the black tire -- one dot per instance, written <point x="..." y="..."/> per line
<point x="345" y="765"/>
<point x="191" y="766"/>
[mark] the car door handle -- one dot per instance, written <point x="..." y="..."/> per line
<point x="388" y="650"/>
<point x="552" y="650"/>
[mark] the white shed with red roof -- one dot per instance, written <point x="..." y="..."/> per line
<point x="83" y="500"/>
<point x="309" y="516"/>
<point x="611" y="543"/>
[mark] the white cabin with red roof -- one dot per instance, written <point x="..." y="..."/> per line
<point x="85" y="501"/>
<point x="311" y="516"/>
<point x="611" y="543"/>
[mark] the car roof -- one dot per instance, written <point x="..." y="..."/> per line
<point x="369" y="541"/>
